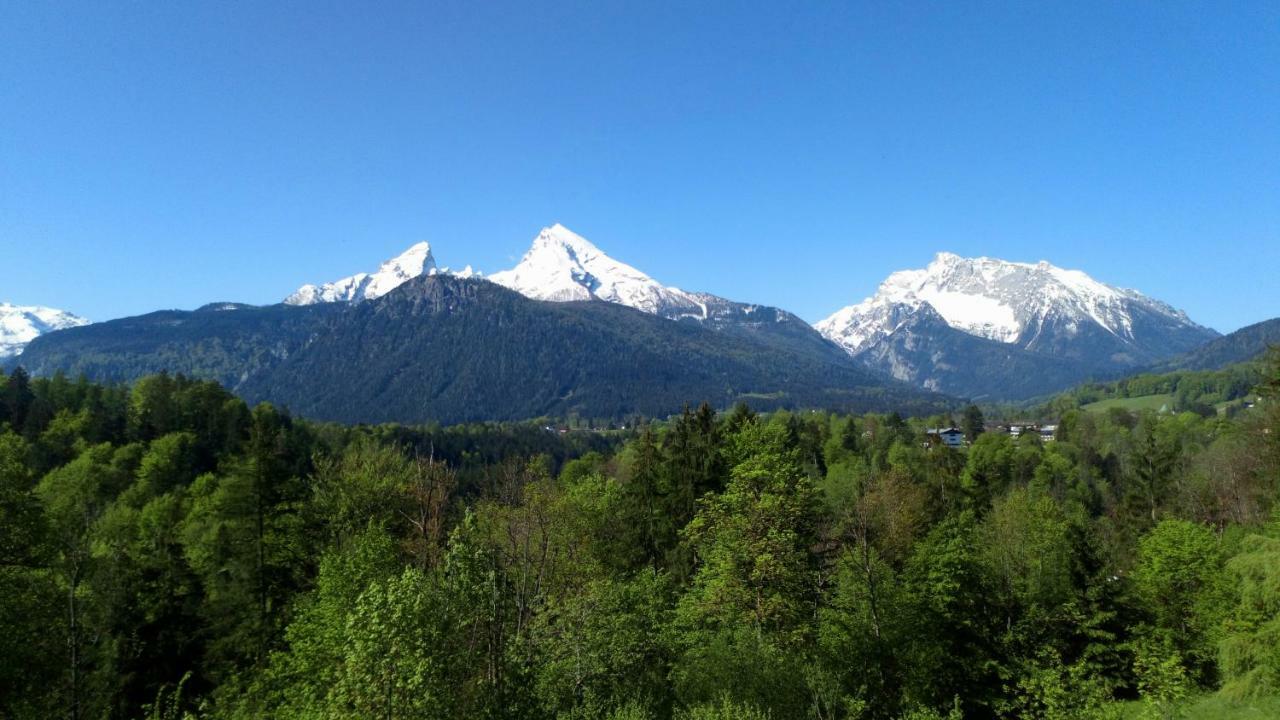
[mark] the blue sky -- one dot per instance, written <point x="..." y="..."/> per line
<point x="158" y="155"/>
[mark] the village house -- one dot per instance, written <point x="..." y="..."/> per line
<point x="951" y="437"/>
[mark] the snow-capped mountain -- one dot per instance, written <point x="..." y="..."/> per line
<point x="1037" y="307"/>
<point x="20" y="324"/>
<point x="561" y="266"/>
<point x="979" y="327"/>
<point x="412" y="263"/>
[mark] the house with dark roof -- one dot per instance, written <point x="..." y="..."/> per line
<point x="951" y="437"/>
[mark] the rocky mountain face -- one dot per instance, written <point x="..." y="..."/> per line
<point x="1049" y="326"/>
<point x="20" y="324"/>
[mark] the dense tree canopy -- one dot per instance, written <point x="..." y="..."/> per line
<point x="167" y="551"/>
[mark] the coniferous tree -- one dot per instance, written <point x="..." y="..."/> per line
<point x="648" y="504"/>
<point x="693" y="464"/>
<point x="973" y="423"/>
<point x="16" y="398"/>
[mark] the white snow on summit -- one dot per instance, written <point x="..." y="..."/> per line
<point x="990" y="298"/>
<point x="464" y="273"/>
<point x="20" y="324"/>
<point x="561" y="266"/>
<point x="412" y="263"/>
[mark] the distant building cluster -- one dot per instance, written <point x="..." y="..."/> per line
<point x="1047" y="432"/>
<point x="953" y="437"/>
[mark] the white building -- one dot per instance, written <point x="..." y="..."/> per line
<point x="951" y="437"/>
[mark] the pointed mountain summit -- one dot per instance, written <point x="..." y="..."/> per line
<point x="412" y="263"/>
<point x="562" y="266"/>
<point x="1038" y="308"/>
<point x="20" y="324"/>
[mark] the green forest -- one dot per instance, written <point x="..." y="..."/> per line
<point x="169" y="552"/>
<point x="1199" y="391"/>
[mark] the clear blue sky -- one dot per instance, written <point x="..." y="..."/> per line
<point x="160" y="155"/>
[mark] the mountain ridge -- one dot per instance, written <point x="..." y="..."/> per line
<point x="588" y="358"/>
<point x="449" y="349"/>
<point x="1068" y="326"/>
<point x="416" y="261"/>
<point x="1243" y="345"/>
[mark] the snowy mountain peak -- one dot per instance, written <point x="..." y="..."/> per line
<point x="1009" y="302"/>
<point x="411" y="263"/>
<point x="20" y="324"/>
<point x="561" y="265"/>
<point x="559" y="236"/>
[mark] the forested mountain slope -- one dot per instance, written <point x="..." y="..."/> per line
<point x="224" y="342"/>
<point x="452" y="349"/>
<point x="448" y="349"/>
<point x="1247" y="343"/>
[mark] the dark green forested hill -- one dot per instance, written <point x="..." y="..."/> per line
<point x="1204" y="392"/>
<point x="1247" y="343"/>
<point x="221" y="342"/>
<point x="168" y="552"/>
<point x="445" y="349"/>
<point x="1219" y="377"/>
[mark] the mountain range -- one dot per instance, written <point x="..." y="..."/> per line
<point x="989" y="328"/>
<point x="444" y="348"/>
<point x="562" y="266"/>
<point x="570" y="329"/>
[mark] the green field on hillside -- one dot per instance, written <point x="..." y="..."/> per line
<point x="1135" y="404"/>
